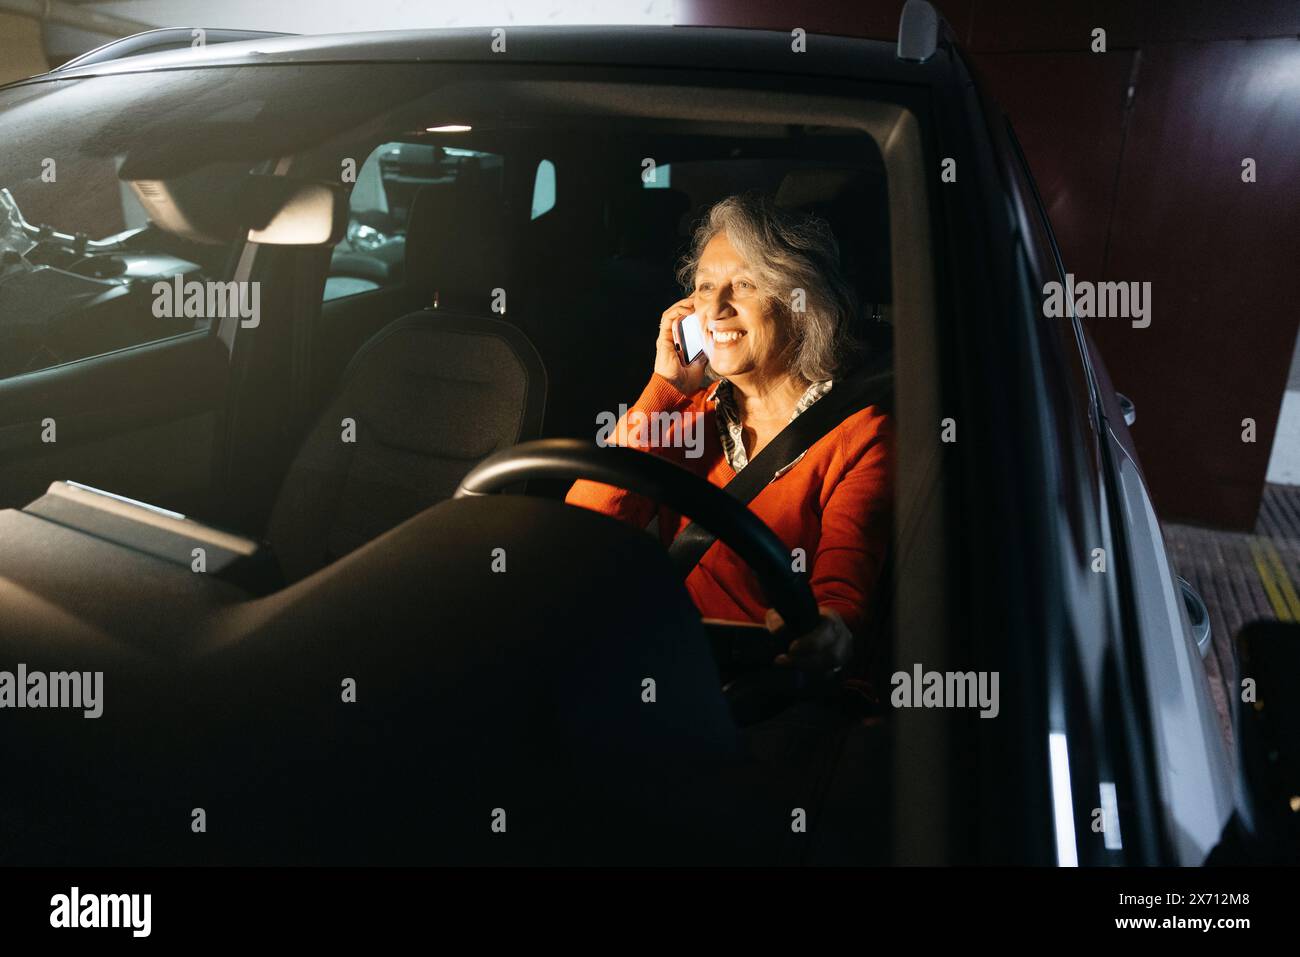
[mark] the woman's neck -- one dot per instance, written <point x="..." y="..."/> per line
<point x="767" y="397"/>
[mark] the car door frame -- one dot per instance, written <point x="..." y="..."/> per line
<point x="1156" y="646"/>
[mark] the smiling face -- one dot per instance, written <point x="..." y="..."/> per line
<point x="743" y="336"/>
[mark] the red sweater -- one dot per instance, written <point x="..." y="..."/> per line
<point x="834" y="504"/>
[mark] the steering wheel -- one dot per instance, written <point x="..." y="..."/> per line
<point x="732" y="522"/>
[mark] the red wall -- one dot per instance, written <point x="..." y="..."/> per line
<point x="1145" y="185"/>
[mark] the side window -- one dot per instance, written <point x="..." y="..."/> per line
<point x="91" y="263"/>
<point x="1041" y="246"/>
<point x="1075" y="405"/>
<point x="372" y="253"/>
<point x="544" y="189"/>
<point x="662" y="178"/>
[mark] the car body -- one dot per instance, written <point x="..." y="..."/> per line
<point x="1025" y="540"/>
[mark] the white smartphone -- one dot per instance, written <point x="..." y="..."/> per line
<point x="688" y="336"/>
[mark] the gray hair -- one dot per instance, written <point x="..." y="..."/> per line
<point x="789" y="251"/>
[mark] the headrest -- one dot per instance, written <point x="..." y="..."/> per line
<point x="647" y="221"/>
<point x="456" y="247"/>
<point x="810" y="187"/>
<point x="449" y="383"/>
<point x="856" y="206"/>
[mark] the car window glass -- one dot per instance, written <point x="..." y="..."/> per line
<point x="372" y="253"/>
<point x="85" y="270"/>
<point x="543" y="189"/>
<point x="660" y="178"/>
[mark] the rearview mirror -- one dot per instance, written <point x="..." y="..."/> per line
<point x="286" y="212"/>
<point x="272" y="210"/>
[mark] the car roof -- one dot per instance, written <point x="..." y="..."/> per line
<point x="713" y="48"/>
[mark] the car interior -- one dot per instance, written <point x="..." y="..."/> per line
<point x="483" y="287"/>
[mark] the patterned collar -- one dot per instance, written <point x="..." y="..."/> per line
<point x="730" y="428"/>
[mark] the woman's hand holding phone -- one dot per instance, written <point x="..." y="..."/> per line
<point x="687" y="379"/>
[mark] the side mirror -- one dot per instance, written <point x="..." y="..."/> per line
<point x="1266" y="827"/>
<point x="1198" y="615"/>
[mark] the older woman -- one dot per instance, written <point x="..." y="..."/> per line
<point x="775" y="310"/>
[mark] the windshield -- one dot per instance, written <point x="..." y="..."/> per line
<point x="16" y="236"/>
<point x="510" y="250"/>
<point x="139" y="188"/>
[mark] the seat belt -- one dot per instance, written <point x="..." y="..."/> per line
<point x="869" y="385"/>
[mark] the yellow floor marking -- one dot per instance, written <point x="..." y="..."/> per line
<point x="1283" y="580"/>
<point x="1270" y="585"/>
